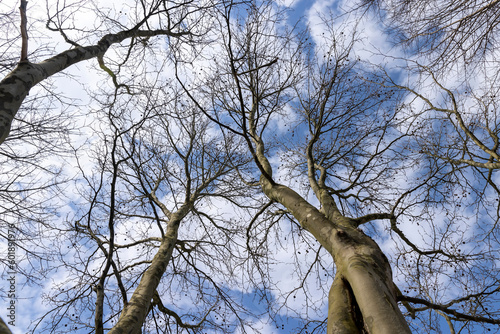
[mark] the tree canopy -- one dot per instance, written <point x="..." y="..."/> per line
<point x="250" y="167"/>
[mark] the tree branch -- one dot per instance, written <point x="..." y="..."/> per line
<point x="446" y="310"/>
<point x="24" y="31"/>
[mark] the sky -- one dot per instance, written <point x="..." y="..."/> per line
<point x="373" y="43"/>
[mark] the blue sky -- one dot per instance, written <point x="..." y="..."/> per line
<point x="373" y="43"/>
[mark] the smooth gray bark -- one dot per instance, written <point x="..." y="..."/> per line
<point x="358" y="259"/>
<point x="341" y="318"/>
<point x="134" y="314"/>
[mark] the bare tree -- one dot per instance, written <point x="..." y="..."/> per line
<point x="266" y="143"/>
<point x="447" y="31"/>
<point x="172" y="20"/>
<point x="257" y="87"/>
<point x="157" y="172"/>
<point x="348" y="146"/>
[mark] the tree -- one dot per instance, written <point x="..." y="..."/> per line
<point x="449" y="32"/>
<point x="267" y="139"/>
<point x="155" y="171"/>
<point x="173" y="21"/>
<point x="351" y="143"/>
<point x="257" y="87"/>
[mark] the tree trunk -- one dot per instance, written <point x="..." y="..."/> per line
<point x="342" y="311"/>
<point x="4" y="329"/>
<point x="134" y="314"/>
<point x="363" y="279"/>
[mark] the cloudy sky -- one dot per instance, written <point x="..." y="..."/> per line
<point x="81" y="80"/>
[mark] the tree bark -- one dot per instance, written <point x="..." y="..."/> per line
<point x="361" y="268"/>
<point x="341" y="315"/>
<point x="134" y="314"/>
<point x="4" y="329"/>
<point x="16" y="85"/>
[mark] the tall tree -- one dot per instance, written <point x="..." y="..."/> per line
<point x="159" y="18"/>
<point x="155" y="174"/>
<point x="348" y="146"/>
<point x="448" y="32"/>
<point x="170" y="229"/>
<point x="261" y="67"/>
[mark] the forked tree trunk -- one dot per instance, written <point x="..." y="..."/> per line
<point x="362" y="298"/>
